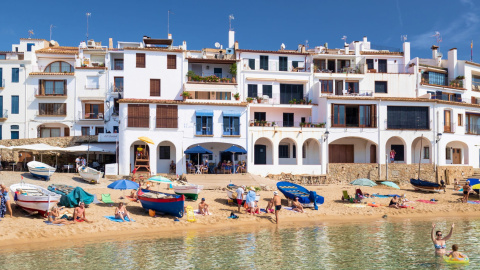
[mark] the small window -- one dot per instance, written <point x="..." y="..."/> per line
<point x="283" y="63"/>
<point x="426" y="152"/>
<point x="260" y="116"/>
<point x="218" y="72"/>
<point x="14" y="132"/>
<point x="140" y="60"/>
<point x="154" y="87"/>
<point x="448" y="153"/>
<point x="29" y="46"/>
<point x="460" y="119"/>
<point x="3" y="56"/>
<point x="92" y="82"/>
<point x="252" y="90"/>
<point x="164" y="152"/>
<point x="231" y="125"/>
<point x="267" y="90"/>
<point x="118" y="64"/>
<point x="264" y="62"/>
<point x="251" y="64"/>
<point x="14" y="127"/>
<point x="59" y="67"/>
<point x="283" y="151"/>
<point x="171" y="61"/>
<point x="15" y="105"/>
<point x="326" y="86"/>
<point x="99" y="130"/>
<point x="370" y="64"/>
<point x="381" y="87"/>
<point x="85" y="131"/>
<point x="15" y="75"/>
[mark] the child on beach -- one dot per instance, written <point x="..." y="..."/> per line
<point x="455" y="254"/>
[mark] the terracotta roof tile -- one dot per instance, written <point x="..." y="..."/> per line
<point x="275" y="52"/>
<point x="52" y="73"/>
<point x="59" y="50"/>
<point x="91" y="68"/>
<point x="153" y="49"/>
<point x="380" y="53"/>
<point x="179" y="102"/>
<point x="34" y="39"/>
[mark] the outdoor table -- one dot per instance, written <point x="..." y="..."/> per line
<point x="68" y="167"/>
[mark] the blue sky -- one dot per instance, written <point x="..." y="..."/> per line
<point x="261" y="24"/>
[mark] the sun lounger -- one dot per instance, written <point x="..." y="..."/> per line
<point x="106" y="198"/>
<point x="346" y="196"/>
<point x="190" y="214"/>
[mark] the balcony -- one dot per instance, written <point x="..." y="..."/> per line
<point x="90" y="116"/>
<point x="453" y="84"/>
<point x="344" y="93"/>
<point x="274" y="65"/>
<point x="2" y="84"/>
<point x="49" y="93"/>
<point x="389" y="68"/>
<point x="262" y="123"/>
<point x="3" y="115"/>
<point x="354" y="69"/>
<point x="472" y="129"/>
<point x="266" y="101"/>
<point x="449" y="127"/>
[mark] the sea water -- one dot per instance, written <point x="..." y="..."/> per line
<point x="380" y="244"/>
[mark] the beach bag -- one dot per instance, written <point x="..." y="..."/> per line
<point x="151" y="212"/>
<point x="190" y="214"/>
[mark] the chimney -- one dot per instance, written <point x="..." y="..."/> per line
<point x="236" y="45"/>
<point x="184" y="45"/>
<point x="452" y="64"/>
<point x="110" y="43"/>
<point x="365" y="39"/>
<point x="169" y="36"/>
<point x="347" y="48"/>
<point x="434" y="52"/>
<point x="302" y="49"/>
<point x="231" y="39"/>
<point x="406" y="53"/>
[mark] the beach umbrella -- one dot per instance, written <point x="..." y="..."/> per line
<point x="390" y="184"/>
<point x="363" y="182"/>
<point x="198" y="150"/>
<point x="159" y="179"/>
<point x="235" y="149"/>
<point x="146" y="140"/>
<point x="123" y="184"/>
<point x="477" y="186"/>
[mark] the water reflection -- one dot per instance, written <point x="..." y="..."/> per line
<point x="403" y="244"/>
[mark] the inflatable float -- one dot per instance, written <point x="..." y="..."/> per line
<point x="449" y="259"/>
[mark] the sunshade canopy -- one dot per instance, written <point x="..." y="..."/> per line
<point x="363" y="182"/>
<point x="198" y="150"/>
<point x="38" y="147"/>
<point x="123" y="184"/>
<point x="236" y="149"/>
<point x="390" y="184"/>
<point x="146" y="140"/>
<point x="159" y="179"/>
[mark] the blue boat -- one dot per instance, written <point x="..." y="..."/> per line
<point x="425" y="185"/>
<point x="171" y="204"/>
<point x="473" y="182"/>
<point x="305" y="197"/>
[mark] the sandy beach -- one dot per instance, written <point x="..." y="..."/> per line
<point x="23" y="229"/>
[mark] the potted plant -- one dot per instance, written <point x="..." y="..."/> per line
<point x="259" y="99"/>
<point x="237" y="96"/>
<point x="264" y="123"/>
<point x="302" y="124"/>
<point x="185" y="95"/>
<point x="268" y="124"/>
<point x="227" y="80"/>
<point x="294" y="101"/>
<point x="251" y="123"/>
<point x="290" y="102"/>
<point x="233" y="71"/>
<point x="309" y="102"/>
<point x="321" y="125"/>
<point x="274" y="124"/>
<point x="249" y="99"/>
<point x="257" y="123"/>
<point x="190" y="75"/>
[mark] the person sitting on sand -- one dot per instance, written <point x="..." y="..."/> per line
<point x="53" y="217"/>
<point x="466" y="191"/>
<point x="438" y="241"/>
<point x="455" y="254"/>
<point x="79" y="213"/>
<point x="203" y="208"/>
<point x="456" y="185"/>
<point x="133" y="194"/>
<point x="277" y="202"/>
<point x="4" y="193"/>
<point x="297" y="206"/>
<point x="121" y="212"/>
<point x="394" y="202"/>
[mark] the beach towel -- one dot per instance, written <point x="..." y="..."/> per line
<point x="106" y="198"/>
<point x="474" y="202"/>
<point x="196" y="212"/>
<point x="426" y="201"/>
<point x="95" y="199"/>
<point x="356" y="205"/>
<point x="291" y="209"/>
<point x="265" y="211"/>
<point x="131" y="199"/>
<point x="394" y="195"/>
<point x="406" y="206"/>
<point x="50" y="223"/>
<point x="374" y="205"/>
<point x="380" y="196"/>
<point x="112" y="218"/>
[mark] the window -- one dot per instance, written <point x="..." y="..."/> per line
<point x="15" y="105"/>
<point x="15" y="75"/>
<point x="2" y="83"/>
<point x="14" y="132"/>
<point x="288" y="120"/>
<point x="460" y="120"/>
<point x="370" y="64"/>
<point x="116" y="106"/>
<point x="94" y="111"/>
<point x="171" y="61"/>
<point x="251" y="64"/>
<point x="264" y="62"/>
<point x="252" y="90"/>
<point x="54" y="109"/>
<point x="3" y="56"/>
<point x="381" y="87"/>
<point x="167" y="116"/>
<point x="154" y="87"/>
<point x="382" y="66"/>
<point x="99" y="130"/>
<point x="85" y="131"/>
<point x="267" y="90"/>
<point x="29" y="46"/>
<point x="115" y="129"/>
<point x="294" y="151"/>
<point x="403" y="117"/>
<point x="231" y="125"/>
<point x="118" y="84"/>
<point x="283" y="151"/>
<point x="118" y="64"/>
<point x="283" y="63"/>
<point x="446" y="96"/>
<point x="223" y="96"/>
<point x="326" y="86"/>
<point x="164" y="152"/>
<point x="426" y="152"/>
<point x="92" y="82"/>
<point x="290" y="92"/>
<point x="448" y="153"/>
<point x="138" y="115"/>
<point x="436" y="78"/>
<point x="217" y="72"/>
<point x="204" y="125"/>
<point x="59" y="67"/>
<point x="260" y="116"/>
<point x="352" y="87"/>
<point x="49" y="132"/>
<point x="353" y="115"/>
<point x="472" y="123"/>
<point x="399" y="152"/>
<point x="140" y="60"/>
<point x="52" y="88"/>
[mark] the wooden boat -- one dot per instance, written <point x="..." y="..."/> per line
<point x="232" y="194"/>
<point x="162" y="202"/>
<point x="90" y="174"/>
<point x="33" y="198"/>
<point x="425" y="185"/>
<point x="190" y="191"/>
<point x="40" y="170"/>
<point x="291" y="191"/>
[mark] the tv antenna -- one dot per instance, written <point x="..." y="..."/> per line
<point x="438" y="38"/>
<point x="30" y="33"/>
<point x="306" y="44"/>
<point x="51" y="29"/>
<point x="403" y="38"/>
<point x="217" y="45"/>
<point x="230" y="18"/>
<point x="88" y="14"/>
<point x="168" y="21"/>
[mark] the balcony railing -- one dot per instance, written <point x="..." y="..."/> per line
<point x="2" y="83"/>
<point x="275" y="100"/>
<point x="449" y="127"/>
<point x="354" y="69"/>
<point x="274" y="65"/>
<point x="90" y="116"/>
<point x="49" y="92"/>
<point x="209" y="79"/>
<point x="203" y="130"/>
<point x="476" y="86"/>
<point x="472" y="129"/>
<point x="389" y="68"/>
<point x="3" y="115"/>
<point x="257" y="123"/>
<point x="363" y="93"/>
<point x="117" y="88"/>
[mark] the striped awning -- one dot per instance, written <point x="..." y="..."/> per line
<point x="204" y="113"/>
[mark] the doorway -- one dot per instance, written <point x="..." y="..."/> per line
<point x="260" y="156"/>
<point x="373" y="153"/>
<point x="457" y="156"/>
<point x="338" y="88"/>
<point x="341" y="153"/>
<point x="399" y="152"/>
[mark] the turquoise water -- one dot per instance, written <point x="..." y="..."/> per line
<point x="374" y="245"/>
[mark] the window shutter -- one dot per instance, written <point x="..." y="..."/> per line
<point x="171" y="61"/>
<point x="40" y="87"/>
<point x="87" y="110"/>
<point x="140" y="60"/>
<point x="101" y="108"/>
<point x="66" y="132"/>
<point x="155" y="87"/>
<point x="131" y="115"/>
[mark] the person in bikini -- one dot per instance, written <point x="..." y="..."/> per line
<point x="394" y="202"/>
<point x="53" y="217"/>
<point x="438" y="241"/>
<point x="277" y="202"/>
<point x="79" y="213"/>
<point x="121" y="212"/>
<point x="297" y="206"/>
<point x="466" y="191"/>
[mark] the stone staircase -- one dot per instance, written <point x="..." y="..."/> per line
<point x="219" y="181"/>
<point x="476" y="174"/>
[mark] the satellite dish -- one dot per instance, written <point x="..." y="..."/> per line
<point x="217" y="45"/>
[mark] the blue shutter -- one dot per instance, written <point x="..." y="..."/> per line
<point x="226" y="125"/>
<point x="209" y="125"/>
<point x="236" y="126"/>
<point x="199" y="125"/>
<point x="15" y="105"/>
<point x="29" y="46"/>
<point x="15" y="74"/>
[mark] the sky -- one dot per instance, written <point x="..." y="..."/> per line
<point x="260" y="24"/>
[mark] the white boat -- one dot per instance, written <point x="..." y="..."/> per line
<point x="90" y="174"/>
<point x="233" y="189"/>
<point x="34" y="198"/>
<point x="41" y="170"/>
<point x="190" y="191"/>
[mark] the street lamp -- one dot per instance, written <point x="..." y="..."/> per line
<point x="439" y="137"/>
<point x="325" y="135"/>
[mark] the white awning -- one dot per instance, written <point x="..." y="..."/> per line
<point x="84" y="148"/>
<point x="38" y="147"/>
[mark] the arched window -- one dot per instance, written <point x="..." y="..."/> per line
<point x="59" y="67"/>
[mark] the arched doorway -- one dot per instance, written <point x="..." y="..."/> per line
<point x="421" y="150"/>
<point x="140" y="156"/>
<point x="311" y="152"/>
<point x="399" y="147"/>
<point x="166" y="154"/>
<point x="263" y="152"/>
<point x="352" y="150"/>
<point x="456" y="152"/>
<point x="287" y="152"/>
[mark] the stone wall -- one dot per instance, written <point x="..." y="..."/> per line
<point x="449" y="173"/>
<point x="301" y="179"/>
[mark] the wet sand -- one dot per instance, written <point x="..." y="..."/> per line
<point x="31" y="231"/>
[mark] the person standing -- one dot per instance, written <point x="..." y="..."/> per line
<point x="6" y="198"/>
<point x="240" y="191"/>
<point x="438" y="241"/>
<point x="78" y="160"/>
<point x="466" y="191"/>
<point x="277" y="202"/>
<point x="392" y="156"/>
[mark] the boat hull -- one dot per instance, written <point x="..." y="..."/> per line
<point x="40" y="170"/>
<point x="174" y="205"/>
<point x="41" y="203"/>
<point x="234" y="197"/>
<point x="425" y="186"/>
<point x="292" y="191"/>
<point x="90" y="175"/>
<point x="189" y="191"/>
